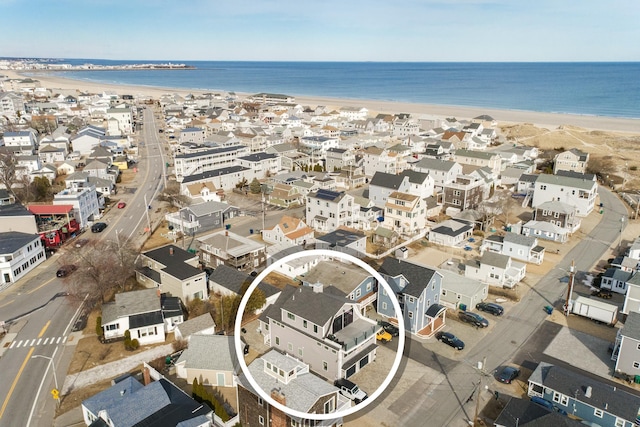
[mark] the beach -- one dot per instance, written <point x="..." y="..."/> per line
<point x="503" y="117"/>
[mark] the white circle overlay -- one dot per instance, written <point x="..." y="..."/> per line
<point x="240" y="346"/>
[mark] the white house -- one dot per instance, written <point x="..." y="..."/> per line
<point x="290" y="230"/>
<point x="85" y="203"/>
<point x="119" y="121"/>
<point x="517" y="246"/>
<point x="580" y="193"/>
<point x="496" y="270"/>
<point x="404" y="213"/>
<point x="572" y="160"/>
<point x="327" y="210"/>
<point x="19" y="254"/>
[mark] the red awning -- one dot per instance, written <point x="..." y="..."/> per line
<point x="50" y="209"/>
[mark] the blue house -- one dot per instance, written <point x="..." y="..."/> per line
<point x="588" y="399"/>
<point x="417" y="289"/>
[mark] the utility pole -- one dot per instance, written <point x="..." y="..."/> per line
<point x="263" y="211"/>
<point x="482" y="372"/>
<point x="567" y="304"/>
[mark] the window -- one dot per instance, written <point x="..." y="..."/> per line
<point x="619" y="422"/>
<point x="358" y="292"/>
<point x="598" y="413"/>
<point x="329" y="406"/>
<point x="564" y="400"/>
<point x="384" y="305"/>
<point x="261" y="420"/>
<point x="277" y="340"/>
<point x="304" y="323"/>
<point x="411" y="315"/>
<point x="325" y="366"/>
<point x="444" y="292"/>
<point x="636" y="365"/>
<point x="113" y="327"/>
<point x="291" y="316"/>
<point x="300" y="351"/>
<point x="260" y="401"/>
<point x="290" y="346"/>
<point x="315" y="329"/>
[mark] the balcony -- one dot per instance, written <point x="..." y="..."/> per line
<point x="355" y="334"/>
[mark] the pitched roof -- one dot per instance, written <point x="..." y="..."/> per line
<point x="14" y="209"/>
<point x="341" y="237"/>
<point x="631" y="327"/>
<point x="418" y="276"/>
<point x="196" y="324"/>
<point x="612" y="399"/>
<point x="175" y="261"/>
<point x="519" y="239"/>
<point x="525" y="413"/>
<point x="206" y="208"/>
<point x="566" y="181"/>
<point x="211" y="352"/>
<point x="435" y="164"/>
<point x="316" y="307"/>
<point x="130" y="304"/>
<point x="387" y="180"/>
<point x="453" y="227"/>
<point x="495" y="259"/>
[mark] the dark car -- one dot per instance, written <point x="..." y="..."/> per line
<point x="388" y="327"/>
<point x="450" y="339"/>
<point x="473" y="318"/>
<point x="490" y="307"/>
<point x="98" y="227"/>
<point x="508" y="374"/>
<point x="66" y="270"/>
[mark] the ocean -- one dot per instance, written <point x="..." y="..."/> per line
<point x="584" y="88"/>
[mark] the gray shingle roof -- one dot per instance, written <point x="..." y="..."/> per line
<point x="174" y="262"/>
<point x="605" y="397"/>
<point x="339" y="274"/>
<point x="631" y="327"/>
<point x="495" y="259"/>
<point x="207" y="208"/>
<point x="131" y="303"/>
<point x="418" y="276"/>
<point x="453" y="227"/>
<point x="15" y="209"/>
<point x="316" y="307"/>
<point x="214" y="174"/>
<point x="11" y="241"/>
<point x="435" y="164"/>
<point x="211" y="352"/>
<point x="300" y="393"/>
<point x="195" y="325"/>
<point x="519" y="239"/>
<point x="387" y="180"/>
<point x="566" y="181"/>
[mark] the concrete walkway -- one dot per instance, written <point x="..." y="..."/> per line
<point x="113" y="369"/>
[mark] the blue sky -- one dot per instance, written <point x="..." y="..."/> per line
<point x="323" y="30"/>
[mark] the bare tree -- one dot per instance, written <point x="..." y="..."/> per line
<point x="103" y="269"/>
<point x="172" y="194"/>
<point x="8" y="166"/>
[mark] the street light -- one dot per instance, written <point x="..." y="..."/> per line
<point x="56" y="391"/>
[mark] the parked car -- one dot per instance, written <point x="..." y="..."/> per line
<point x="98" y="227"/>
<point x="383" y="336"/>
<point x="490" y="307"/>
<point x="66" y="270"/>
<point x="394" y="331"/>
<point x="350" y="390"/>
<point x="602" y="293"/>
<point x="121" y="205"/>
<point x="450" y="339"/>
<point x="473" y="318"/>
<point x="508" y="374"/>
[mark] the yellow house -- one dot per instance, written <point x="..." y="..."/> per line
<point x="121" y="162"/>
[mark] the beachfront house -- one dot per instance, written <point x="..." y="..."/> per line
<point x="573" y="160"/>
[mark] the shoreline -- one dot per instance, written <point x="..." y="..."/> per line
<point x="503" y="117"/>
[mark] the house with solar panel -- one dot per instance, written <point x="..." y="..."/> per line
<point x="593" y="401"/>
<point x="321" y="327"/>
<point x="418" y="289"/>
<point x="327" y="210"/>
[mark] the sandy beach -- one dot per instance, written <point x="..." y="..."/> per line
<point x="544" y="120"/>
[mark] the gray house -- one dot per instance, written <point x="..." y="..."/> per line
<point x="626" y="351"/>
<point x="585" y="398"/>
<point x="458" y="291"/>
<point x="616" y="280"/>
<point x="343" y="240"/>
<point x="202" y="217"/>
<point x="322" y="328"/>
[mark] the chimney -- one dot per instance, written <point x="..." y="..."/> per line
<point x="170" y="250"/>
<point x="158" y="293"/>
<point x="278" y="418"/>
<point x="146" y="376"/>
<point x="587" y="393"/>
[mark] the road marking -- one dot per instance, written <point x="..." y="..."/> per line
<point x="15" y="381"/>
<point x="32" y="342"/>
<point x="12" y="344"/>
<point x="38" y="343"/>
<point x="58" y="340"/>
<point x="45" y="283"/>
<point x="64" y="339"/>
<point x="4" y="305"/>
<point x="44" y="329"/>
<point x="45" y="340"/>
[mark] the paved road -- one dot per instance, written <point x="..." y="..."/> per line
<point x="449" y="405"/>
<point x="42" y="317"/>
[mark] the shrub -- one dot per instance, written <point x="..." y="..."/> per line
<point x="99" y="331"/>
<point x="135" y="344"/>
<point x="478" y="233"/>
<point x="633" y="168"/>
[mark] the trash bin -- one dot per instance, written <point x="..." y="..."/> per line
<point x="636" y="379"/>
<point x="251" y="231"/>
<point x="548" y="309"/>
<point x="463" y="307"/>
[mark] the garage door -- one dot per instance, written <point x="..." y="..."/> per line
<point x="351" y="371"/>
<point x="364" y="361"/>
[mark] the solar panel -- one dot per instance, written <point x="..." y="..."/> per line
<point x="327" y="194"/>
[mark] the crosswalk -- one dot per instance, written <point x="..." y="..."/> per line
<point x="38" y="341"/>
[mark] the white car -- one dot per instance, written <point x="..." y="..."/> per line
<point x="350" y="390"/>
